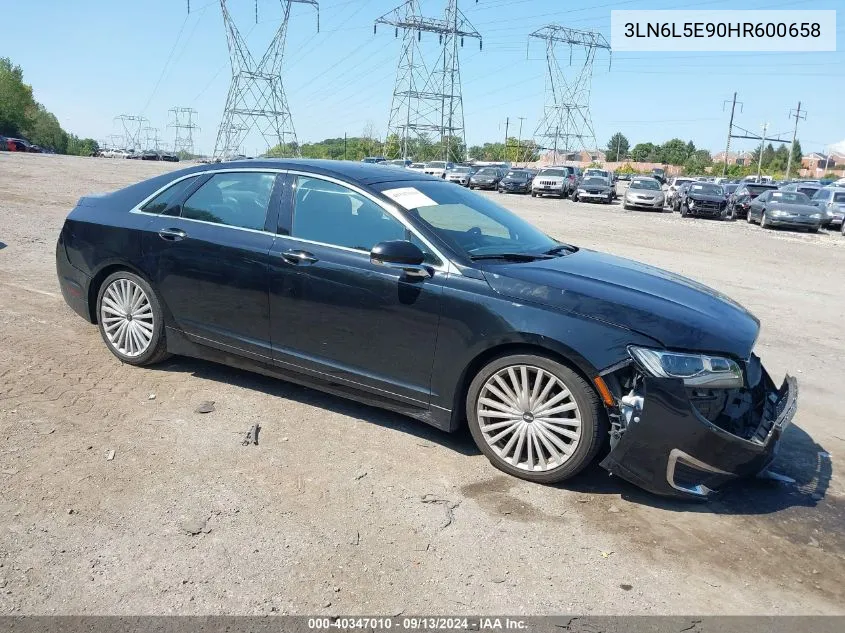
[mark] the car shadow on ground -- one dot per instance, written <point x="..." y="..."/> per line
<point x="801" y="458"/>
<point x="3" y="245"/>
<point x="460" y="442"/>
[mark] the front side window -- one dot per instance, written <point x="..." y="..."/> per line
<point x="166" y="201"/>
<point x="237" y="199"/>
<point x="332" y="214"/>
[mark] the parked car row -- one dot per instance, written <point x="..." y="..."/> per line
<point x="138" y="155"/>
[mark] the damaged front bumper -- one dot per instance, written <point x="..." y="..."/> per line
<point x="663" y="442"/>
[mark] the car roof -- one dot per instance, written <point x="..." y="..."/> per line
<point x="364" y="173"/>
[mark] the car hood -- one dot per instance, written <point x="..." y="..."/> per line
<point x="797" y="209"/>
<point x="678" y="312"/>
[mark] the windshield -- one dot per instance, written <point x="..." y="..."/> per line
<point x="839" y="196"/>
<point x="469" y="223"/>
<point x="645" y="184"/>
<point x="460" y="170"/>
<point x="594" y="182"/>
<point x="436" y="165"/>
<point x="808" y="191"/>
<point x="595" y="172"/>
<point x="488" y="171"/>
<point x="554" y="173"/>
<point x="706" y="189"/>
<point x="418" y="165"/>
<point x="679" y="181"/>
<point x="518" y="175"/>
<point x="790" y="197"/>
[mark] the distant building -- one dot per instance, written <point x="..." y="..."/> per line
<point x="734" y="158"/>
<point x="820" y="162"/>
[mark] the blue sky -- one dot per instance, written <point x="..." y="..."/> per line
<point x="90" y="60"/>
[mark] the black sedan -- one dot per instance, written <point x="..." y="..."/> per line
<point x="594" y="189"/>
<point x="789" y="209"/>
<point x="516" y="181"/>
<point x="704" y="199"/>
<point x="406" y="292"/>
<point x="486" y="178"/>
<point x="741" y="199"/>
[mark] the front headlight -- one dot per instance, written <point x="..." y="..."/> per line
<point x="776" y="213"/>
<point x="816" y="216"/>
<point x="582" y="191"/>
<point x="696" y="370"/>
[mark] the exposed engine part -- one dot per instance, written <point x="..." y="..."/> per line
<point x="631" y="407"/>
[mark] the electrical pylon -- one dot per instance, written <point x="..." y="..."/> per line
<point x="427" y="101"/>
<point x="151" y="139"/>
<point x="183" y="123"/>
<point x="256" y="98"/>
<point x="566" y="124"/>
<point x="132" y="126"/>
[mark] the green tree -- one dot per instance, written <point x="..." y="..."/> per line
<point x="617" y="147"/>
<point x="674" y="152"/>
<point x="797" y="155"/>
<point x="644" y="152"/>
<point x="15" y="100"/>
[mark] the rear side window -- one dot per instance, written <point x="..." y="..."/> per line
<point x="233" y="199"/>
<point x="166" y="201"/>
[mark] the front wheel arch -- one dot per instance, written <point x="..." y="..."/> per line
<point x="572" y="360"/>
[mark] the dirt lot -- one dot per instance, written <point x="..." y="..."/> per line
<point x="327" y="514"/>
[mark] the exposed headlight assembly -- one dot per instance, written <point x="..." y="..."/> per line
<point x="690" y="203"/>
<point x="582" y="191"/>
<point x="816" y="216"/>
<point x="696" y="370"/>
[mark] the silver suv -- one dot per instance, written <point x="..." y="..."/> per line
<point x="555" y="181"/>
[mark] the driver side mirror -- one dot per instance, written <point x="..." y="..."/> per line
<point x="401" y="255"/>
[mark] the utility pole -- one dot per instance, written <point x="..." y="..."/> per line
<point x="344" y="146"/>
<point x="760" y="158"/>
<point x="507" y="121"/>
<point x="796" y="115"/>
<point x="730" y="131"/>
<point x="519" y="140"/>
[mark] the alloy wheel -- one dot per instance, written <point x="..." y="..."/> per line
<point x="127" y="317"/>
<point x="529" y="418"/>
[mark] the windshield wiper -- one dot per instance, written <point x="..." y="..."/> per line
<point x="560" y="249"/>
<point x="514" y="257"/>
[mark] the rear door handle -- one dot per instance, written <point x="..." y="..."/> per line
<point x="298" y="257"/>
<point x="172" y="235"/>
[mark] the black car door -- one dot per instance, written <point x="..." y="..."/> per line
<point x="333" y="312"/>
<point x="208" y="260"/>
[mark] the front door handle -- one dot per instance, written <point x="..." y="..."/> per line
<point x="298" y="257"/>
<point x="172" y="235"/>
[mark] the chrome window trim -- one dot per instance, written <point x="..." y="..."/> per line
<point x="446" y="267"/>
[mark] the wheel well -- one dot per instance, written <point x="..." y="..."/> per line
<point x="97" y="281"/>
<point x="509" y="349"/>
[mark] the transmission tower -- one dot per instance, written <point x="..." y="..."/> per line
<point x="151" y="139"/>
<point x="132" y="126"/>
<point x="256" y="98"/>
<point x="427" y="102"/>
<point x="183" y="122"/>
<point x="566" y="123"/>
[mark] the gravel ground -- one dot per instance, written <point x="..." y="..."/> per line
<point x="344" y="508"/>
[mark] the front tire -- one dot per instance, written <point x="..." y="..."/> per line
<point x="764" y="222"/>
<point x="130" y="319"/>
<point x="535" y="418"/>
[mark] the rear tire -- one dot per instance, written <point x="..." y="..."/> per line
<point x="581" y="402"/>
<point x="141" y="341"/>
